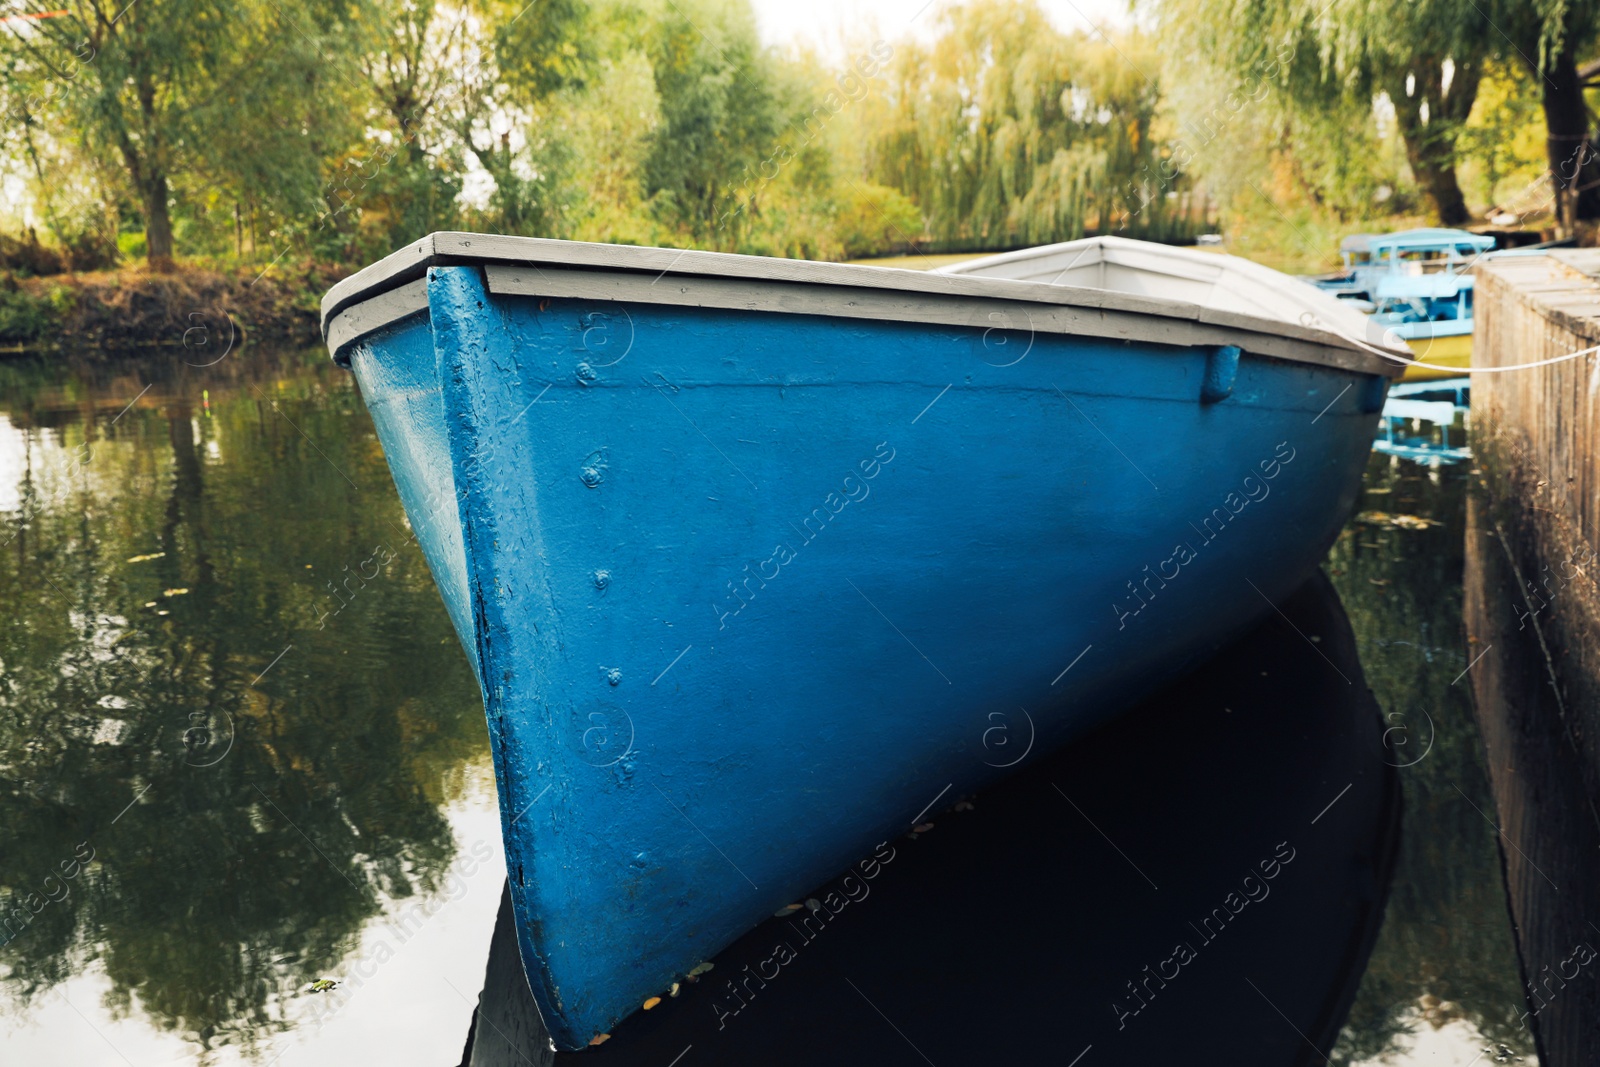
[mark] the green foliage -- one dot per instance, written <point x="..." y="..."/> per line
<point x="169" y="101"/>
<point x="544" y="48"/>
<point x="344" y="131"/>
<point x="1541" y="31"/>
<point x="1008" y="132"/>
<point x="718" y="110"/>
<point x="28" y="317"/>
<point x="875" y="220"/>
<point x="610" y="129"/>
<point x="1502" y="143"/>
<point x="1322" y="62"/>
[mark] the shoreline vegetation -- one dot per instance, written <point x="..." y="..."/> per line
<point x="199" y="173"/>
<point x="202" y="311"/>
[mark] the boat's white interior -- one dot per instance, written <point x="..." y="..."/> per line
<point x="1210" y="279"/>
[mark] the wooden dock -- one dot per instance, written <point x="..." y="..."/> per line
<point x="1532" y="612"/>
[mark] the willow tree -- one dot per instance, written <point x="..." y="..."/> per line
<point x="1005" y="130"/>
<point x="1426" y="56"/>
<point x="1551" y="38"/>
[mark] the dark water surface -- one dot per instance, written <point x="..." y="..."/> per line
<point x="241" y="749"/>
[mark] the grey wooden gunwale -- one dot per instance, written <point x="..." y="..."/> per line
<point x="359" y="320"/>
<point x="394" y="288"/>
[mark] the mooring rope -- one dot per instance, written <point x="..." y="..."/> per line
<point x="1394" y="358"/>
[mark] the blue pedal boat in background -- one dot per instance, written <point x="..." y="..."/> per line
<point x="1417" y="283"/>
<point x="759" y="562"/>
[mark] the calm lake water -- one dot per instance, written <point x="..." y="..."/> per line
<point x="241" y="749"/>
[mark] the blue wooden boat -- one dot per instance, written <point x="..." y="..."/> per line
<point x="760" y="562"/>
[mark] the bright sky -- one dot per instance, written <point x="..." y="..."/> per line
<point x="824" y="24"/>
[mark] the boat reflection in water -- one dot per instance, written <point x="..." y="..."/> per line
<point x="1427" y="422"/>
<point x="1207" y="873"/>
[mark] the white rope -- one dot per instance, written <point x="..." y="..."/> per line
<point x="1392" y="357"/>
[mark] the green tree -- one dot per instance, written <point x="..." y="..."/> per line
<point x="163" y="88"/>
<point x="450" y="85"/>
<point x="1006" y="131"/>
<point x="79" y="214"/>
<point x="1550" y="37"/>
<point x="718" y="114"/>
<point x="1426" y="56"/>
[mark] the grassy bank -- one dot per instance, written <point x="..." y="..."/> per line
<point x="200" y="307"/>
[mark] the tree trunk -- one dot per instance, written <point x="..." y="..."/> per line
<point x="1574" y="169"/>
<point x="1438" y="180"/>
<point x="1431" y="144"/>
<point x="157" y="225"/>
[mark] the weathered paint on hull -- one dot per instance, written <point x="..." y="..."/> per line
<point x="1452" y="352"/>
<point x="747" y="593"/>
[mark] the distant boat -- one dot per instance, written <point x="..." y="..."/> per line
<point x="1417" y="283"/>
<point x="761" y="562"/>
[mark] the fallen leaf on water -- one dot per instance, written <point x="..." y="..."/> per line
<point x="785" y="910"/>
<point x="700" y="968"/>
<point x="652" y="1002"/>
<point x="674" y="990"/>
<point x="1397" y="522"/>
<point x="923" y="828"/>
<point x="599" y="1039"/>
<point x="141" y="559"/>
<point x="173" y="592"/>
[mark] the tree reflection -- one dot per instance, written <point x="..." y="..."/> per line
<point x="252" y="786"/>
<point x="1445" y="952"/>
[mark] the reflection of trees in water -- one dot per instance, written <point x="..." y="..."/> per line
<point x="225" y="886"/>
<point x="1445" y="935"/>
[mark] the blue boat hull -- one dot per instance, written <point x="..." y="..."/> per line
<point x="749" y="593"/>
